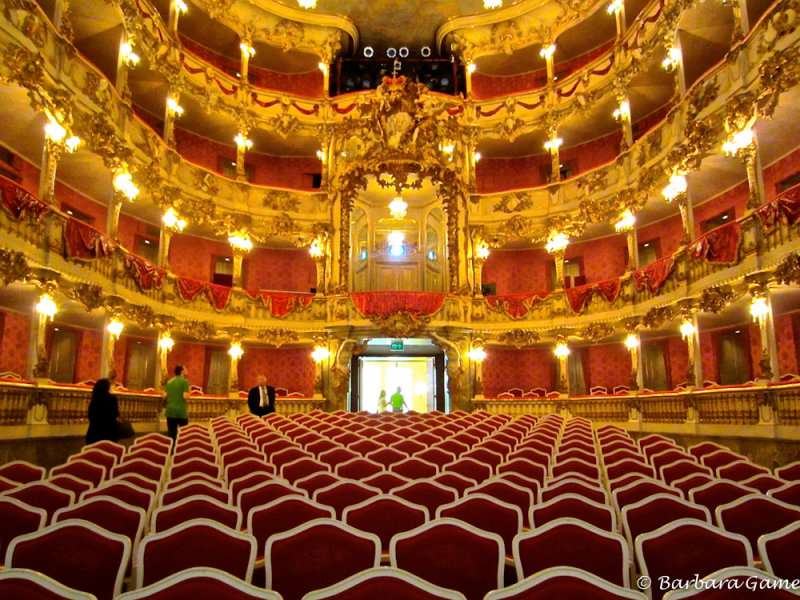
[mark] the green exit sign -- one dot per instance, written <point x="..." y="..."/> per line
<point x="397" y="345"/>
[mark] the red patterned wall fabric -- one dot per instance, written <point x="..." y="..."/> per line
<point x="668" y="233"/>
<point x="89" y="356"/>
<point x="192" y="256"/>
<point x="709" y="341"/>
<point x="526" y="369"/>
<point x="719" y="245"/>
<point x="16" y="332"/>
<point x="518" y="271"/>
<point x="146" y="274"/>
<point x="515" y="306"/>
<point x="290" y="368"/>
<point x="735" y="198"/>
<point x="654" y="275"/>
<point x="67" y="197"/>
<point x="609" y="365"/>
<point x="281" y="270"/>
<point x="786" y="341"/>
<point x="778" y="171"/>
<point x="602" y="258"/>
<point x="677" y="356"/>
<point x="191" y="356"/>
<point x="84" y="241"/>
<point x="579" y="296"/>
<point x="383" y="304"/>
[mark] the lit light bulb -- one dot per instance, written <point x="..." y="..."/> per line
<point x="173" y="107"/>
<point x="115" y="327"/>
<point x="687" y="329"/>
<point x="166" y="343"/>
<point x="478" y="354"/>
<point x="677" y="185"/>
<point x="759" y="309"/>
<point x="562" y="350"/>
<point x="46" y="306"/>
<point x="471" y="68"/>
<point x="247" y="49"/>
<point x="172" y="220"/>
<point x="492" y="4"/>
<point x="242" y="142"/>
<point x="307" y="4"/>
<point x="123" y="183"/>
<point x="738" y="141"/>
<point x="482" y="250"/>
<point x="626" y="221"/>
<point x="180" y="6"/>
<point x="556" y="242"/>
<point x="615" y="7"/>
<point x="317" y="249"/>
<point x="548" y="51"/>
<point x="395" y="239"/>
<point x="127" y="53"/>
<point x="72" y="143"/>
<point x="553" y="144"/>
<point x="241" y="241"/>
<point x="632" y="341"/>
<point x="673" y="58"/>
<point x="320" y="353"/>
<point x="54" y="131"/>
<point x="235" y="351"/>
<point x="398" y="208"/>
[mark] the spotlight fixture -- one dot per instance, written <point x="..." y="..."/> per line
<point x="425" y="52"/>
<point x="391" y="52"/>
<point x="369" y="52"/>
<point x="403" y="52"/>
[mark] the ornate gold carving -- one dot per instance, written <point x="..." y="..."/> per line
<point x="401" y="324"/>
<point x="656" y="317"/>
<point x="514" y="202"/>
<point x="143" y="315"/>
<point x="201" y="330"/>
<point x="715" y="299"/>
<point x="594" y="332"/>
<point x="276" y="336"/>
<point x="25" y="67"/>
<point x="288" y="34"/>
<point x="519" y="338"/>
<point x="13" y="267"/>
<point x="788" y="271"/>
<point x="89" y="295"/>
<point x="280" y="200"/>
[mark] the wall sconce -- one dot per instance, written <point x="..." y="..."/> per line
<point x="623" y="112"/>
<point x="553" y="144"/>
<point x="677" y="185"/>
<point x="307" y="4"/>
<point x="128" y="55"/>
<point x="556" y="242"/>
<point x="166" y="343"/>
<point x="115" y="327"/>
<point x="481" y="250"/>
<point x="46" y="306"/>
<point x="471" y="68"/>
<point x="242" y="142"/>
<point x="673" y="58"/>
<point x="235" y="350"/>
<point x="687" y="329"/>
<point x="241" y="241"/>
<point x="317" y="248"/>
<point x="123" y="183"/>
<point x="56" y="133"/>
<point x="562" y="350"/>
<point x="395" y="239"/>
<point x="173" y="107"/>
<point x="759" y="309"/>
<point x="615" y="7"/>
<point x="492" y="4"/>
<point x="626" y="221"/>
<point x="548" y="51"/>
<point x="180" y="6"/>
<point x="172" y="221"/>
<point x="632" y="341"/>
<point x="320" y="354"/>
<point x="477" y="352"/>
<point x="738" y="141"/>
<point x="247" y="49"/>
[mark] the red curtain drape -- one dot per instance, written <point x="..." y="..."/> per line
<point x="146" y="274"/>
<point x="579" y="296"/>
<point x="383" y="304"/>
<point x="515" y="306"/>
<point x="718" y="245"/>
<point x="786" y="209"/>
<point x="188" y="289"/>
<point x="281" y="304"/>
<point x="655" y="274"/>
<point x="20" y="202"/>
<point x="84" y="241"/>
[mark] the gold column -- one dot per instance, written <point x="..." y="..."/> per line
<point x="172" y="111"/>
<point x="111" y="333"/>
<point x="47" y="176"/>
<point x="321" y="357"/>
<point x="126" y="59"/>
<point x="44" y="312"/>
<point x="617" y="8"/>
<point x="632" y="240"/>
<point x="235" y="352"/>
<point x="558" y="255"/>
<point x="632" y="343"/>
<point x="165" y="345"/>
<point x="552" y="145"/>
<point x="477" y="354"/>
<point x="325" y="67"/>
<point x="562" y="354"/>
<point x="114" y="210"/>
<point x="176" y="8"/>
<point x="165" y="237"/>
<point x="691" y="334"/>
<point x="238" y="260"/>
<point x="247" y="51"/>
<point x="547" y="53"/>
<point x="623" y="115"/>
<point x="242" y="144"/>
<point x="761" y="311"/>
<point x="687" y="218"/>
<point x="468" y="71"/>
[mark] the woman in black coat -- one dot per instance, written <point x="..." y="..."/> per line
<point x="103" y="414"/>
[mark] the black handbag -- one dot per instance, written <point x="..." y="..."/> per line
<point x="125" y="429"/>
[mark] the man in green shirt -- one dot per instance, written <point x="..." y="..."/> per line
<point x="398" y="402"/>
<point x="175" y="392"/>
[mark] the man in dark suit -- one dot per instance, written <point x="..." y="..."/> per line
<point x="261" y="399"/>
